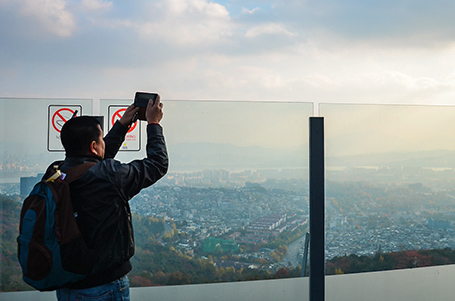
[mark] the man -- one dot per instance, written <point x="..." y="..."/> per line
<point x="100" y="197"/>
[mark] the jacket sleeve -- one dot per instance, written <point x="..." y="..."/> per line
<point x="114" y="139"/>
<point x="139" y="174"/>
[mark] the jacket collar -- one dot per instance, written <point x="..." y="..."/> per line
<point x="72" y="161"/>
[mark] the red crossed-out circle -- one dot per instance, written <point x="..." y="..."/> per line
<point x="59" y="118"/>
<point x="119" y="114"/>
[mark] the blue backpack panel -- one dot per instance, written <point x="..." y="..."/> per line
<point x="51" y="250"/>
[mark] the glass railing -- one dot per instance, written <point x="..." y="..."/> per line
<point x="233" y="206"/>
<point x="389" y="186"/>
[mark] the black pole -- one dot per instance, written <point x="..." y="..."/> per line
<point x="317" y="198"/>
<point x="305" y="254"/>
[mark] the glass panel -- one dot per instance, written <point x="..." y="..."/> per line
<point x="29" y="128"/>
<point x="234" y="198"/>
<point x="237" y="177"/>
<point x="390" y="175"/>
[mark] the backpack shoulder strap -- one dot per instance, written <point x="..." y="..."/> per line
<point x="76" y="172"/>
<point x="52" y="172"/>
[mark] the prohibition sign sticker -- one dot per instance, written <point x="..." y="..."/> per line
<point x="132" y="140"/>
<point x="118" y="114"/>
<point x="60" y="117"/>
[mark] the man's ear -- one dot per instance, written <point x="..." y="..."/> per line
<point x="93" y="148"/>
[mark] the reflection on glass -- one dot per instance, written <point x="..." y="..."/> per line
<point x="390" y="176"/>
<point x="234" y="205"/>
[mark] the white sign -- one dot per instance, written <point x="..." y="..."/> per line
<point x="133" y="136"/>
<point x="57" y="117"/>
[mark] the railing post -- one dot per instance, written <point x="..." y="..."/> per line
<point x="317" y="208"/>
<point x="305" y="254"/>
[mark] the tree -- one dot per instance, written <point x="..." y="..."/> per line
<point x="178" y="278"/>
<point x="338" y="271"/>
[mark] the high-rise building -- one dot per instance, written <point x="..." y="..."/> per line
<point x="27" y="184"/>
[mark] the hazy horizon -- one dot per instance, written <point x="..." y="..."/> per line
<point x="254" y="135"/>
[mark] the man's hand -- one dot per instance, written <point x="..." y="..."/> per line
<point x="154" y="112"/>
<point x="127" y="117"/>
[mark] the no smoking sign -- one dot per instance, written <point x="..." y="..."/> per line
<point x="57" y="116"/>
<point x="133" y="136"/>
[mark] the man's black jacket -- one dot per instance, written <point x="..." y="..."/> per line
<point x="100" y="199"/>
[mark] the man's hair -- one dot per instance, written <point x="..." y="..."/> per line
<point x="78" y="133"/>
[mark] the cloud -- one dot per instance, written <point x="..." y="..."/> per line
<point x="96" y="5"/>
<point x="187" y="22"/>
<point x="250" y="11"/>
<point x="44" y="17"/>
<point x="192" y="49"/>
<point x="416" y="23"/>
<point x="268" y="29"/>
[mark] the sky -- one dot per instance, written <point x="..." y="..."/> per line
<point x="359" y="129"/>
<point x="294" y="50"/>
<point x="323" y="52"/>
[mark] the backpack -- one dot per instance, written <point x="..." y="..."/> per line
<point x="51" y="249"/>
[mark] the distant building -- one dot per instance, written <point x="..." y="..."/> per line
<point x="338" y="222"/>
<point x="217" y="245"/>
<point x="235" y="264"/>
<point x="438" y="224"/>
<point x="27" y="184"/>
<point x="264" y="229"/>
